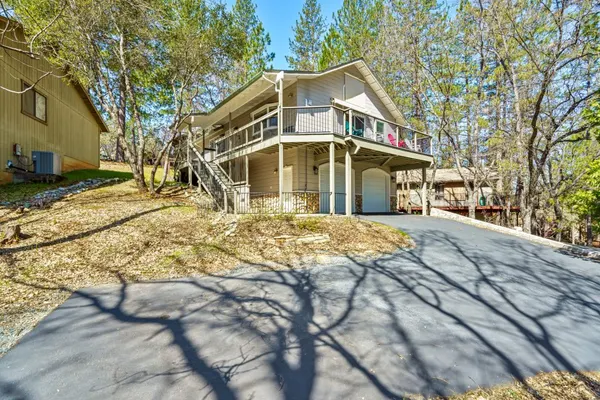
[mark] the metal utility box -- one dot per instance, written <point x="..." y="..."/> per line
<point x="46" y="162"/>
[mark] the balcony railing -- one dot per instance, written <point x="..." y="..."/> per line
<point x="324" y="120"/>
<point x="313" y="120"/>
<point x="254" y="132"/>
<point x="332" y="119"/>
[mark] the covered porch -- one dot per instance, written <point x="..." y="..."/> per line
<point x="294" y="176"/>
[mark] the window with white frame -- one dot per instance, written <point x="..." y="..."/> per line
<point x="267" y="124"/>
<point x="354" y="90"/>
<point x="379" y="126"/>
<point x="439" y="191"/>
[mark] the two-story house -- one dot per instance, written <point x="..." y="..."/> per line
<point x="305" y="142"/>
<point x="46" y="124"/>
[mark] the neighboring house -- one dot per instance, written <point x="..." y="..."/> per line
<point x="54" y="117"/>
<point x="448" y="192"/>
<point x="271" y="145"/>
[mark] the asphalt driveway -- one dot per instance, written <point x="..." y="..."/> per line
<point x="466" y="308"/>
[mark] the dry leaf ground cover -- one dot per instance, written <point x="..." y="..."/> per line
<point x="556" y="385"/>
<point x="112" y="233"/>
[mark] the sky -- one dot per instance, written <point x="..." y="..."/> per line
<point x="279" y="17"/>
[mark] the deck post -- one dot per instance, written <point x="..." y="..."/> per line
<point x="280" y="172"/>
<point x="235" y="201"/>
<point x="349" y="197"/>
<point x="332" y="178"/>
<point x="279" y="90"/>
<point x="424" y="191"/>
<point x="189" y="158"/>
<point x="350" y="127"/>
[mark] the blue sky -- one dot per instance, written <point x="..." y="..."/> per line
<point x="280" y="16"/>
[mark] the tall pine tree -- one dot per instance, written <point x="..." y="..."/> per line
<point x="255" y="56"/>
<point x="308" y="38"/>
<point x="353" y="32"/>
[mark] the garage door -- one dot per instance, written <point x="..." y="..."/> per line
<point x="376" y="187"/>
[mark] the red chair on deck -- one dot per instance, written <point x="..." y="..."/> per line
<point x="401" y="142"/>
<point x="392" y="140"/>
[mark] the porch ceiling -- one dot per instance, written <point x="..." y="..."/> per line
<point x="396" y="159"/>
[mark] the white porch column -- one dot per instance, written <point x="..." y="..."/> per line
<point x="332" y="178"/>
<point x="350" y="127"/>
<point x="349" y="197"/>
<point x="424" y="190"/>
<point x="279" y="90"/>
<point x="189" y="158"/>
<point x="280" y="172"/>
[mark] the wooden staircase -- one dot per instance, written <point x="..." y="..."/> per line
<point x="213" y="180"/>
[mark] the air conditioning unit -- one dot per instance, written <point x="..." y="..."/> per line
<point x="46" y="162"/>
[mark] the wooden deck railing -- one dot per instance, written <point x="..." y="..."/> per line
<point x="326" y="119"/>
<point x="256" y="131"/>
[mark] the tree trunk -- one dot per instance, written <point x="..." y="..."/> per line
<point x="589" y="240"/>
<point x="526" y="212"/>
<point x="472" y="205"/>
<point x="559" y="219"/>
<point x="506" y="214"/>
<point x="118" y="150"/>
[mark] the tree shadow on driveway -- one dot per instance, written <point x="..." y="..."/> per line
<point x="442" y="318"/>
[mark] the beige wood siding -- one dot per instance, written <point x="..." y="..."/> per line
<point x="263" y="176"/>
<point x="71" y="129"/>
<point x="320" y="90"/>
<point x="307" y="179"/>
<point x="289" y="100"/>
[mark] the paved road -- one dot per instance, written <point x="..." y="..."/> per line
<point x="467" y="307"/>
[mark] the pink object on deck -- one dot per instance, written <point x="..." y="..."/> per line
<point x="401" y="142"/>
<point x="392" y="139"/>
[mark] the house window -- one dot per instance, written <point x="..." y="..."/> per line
<point x="267" y="124"/>
<point x="358" y="126"/>
<point x="439" y="191"/>
<point x="354" y="90"/>
<point x="379" y="131"/>
<point x="33" y="103"/>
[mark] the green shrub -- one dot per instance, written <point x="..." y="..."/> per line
<point x="309" y="224"/>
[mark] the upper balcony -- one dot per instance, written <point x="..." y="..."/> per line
<point x="306" y="124"/>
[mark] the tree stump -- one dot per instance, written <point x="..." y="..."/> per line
<point x="11" y="234"/>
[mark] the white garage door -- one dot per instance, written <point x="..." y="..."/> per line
<point x="376" y="187"/>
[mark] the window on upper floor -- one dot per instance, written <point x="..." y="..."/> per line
<point x="269" y="123"/>
<point x="354" y="90"/>
<point x="33" y="103"/>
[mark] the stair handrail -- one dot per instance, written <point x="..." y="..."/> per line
<point x="207" y="165"/>
<point x="230" y="181"/>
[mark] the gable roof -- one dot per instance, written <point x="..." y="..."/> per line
<point x="262" y="81"/>
<point x="80" y="89"/>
